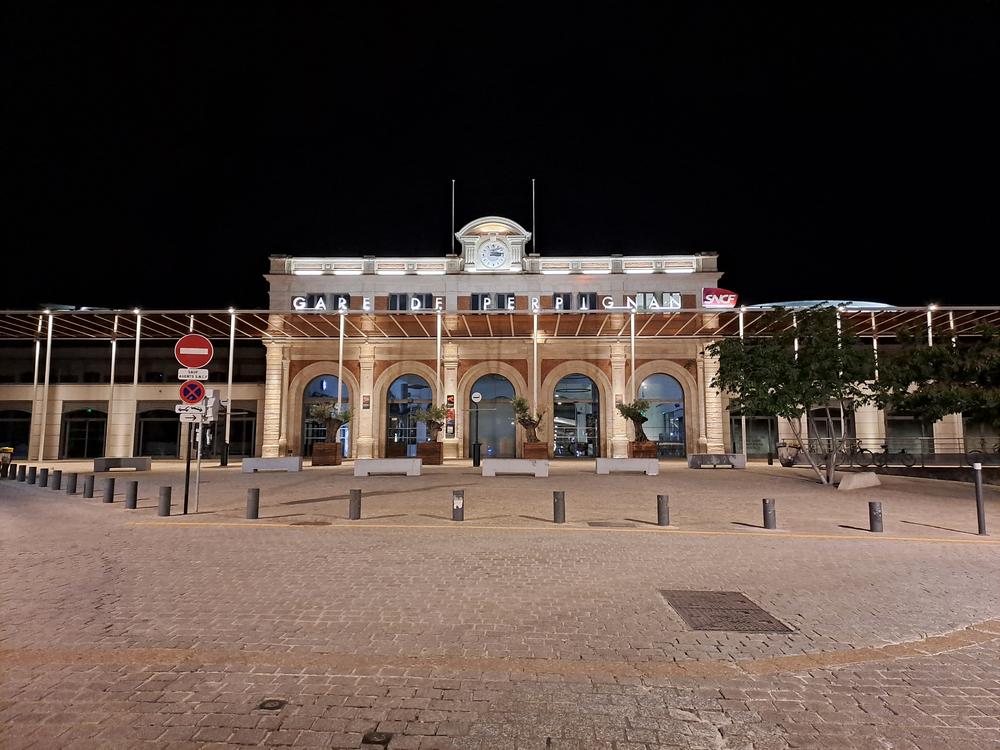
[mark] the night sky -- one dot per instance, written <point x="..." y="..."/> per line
<point x="155" y="156"/>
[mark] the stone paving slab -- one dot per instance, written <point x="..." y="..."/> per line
<point x="119" y="631"/>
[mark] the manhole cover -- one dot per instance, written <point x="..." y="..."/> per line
<point x="310" y="523"/>
<point x="272" y="704"/>
<point x="722" y="610"/>
<point x="376" y="738"/>
<point x="611" y="524"/>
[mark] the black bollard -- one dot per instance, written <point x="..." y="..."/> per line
<point x="458" y="505"/>
<point x="88" y="486"/>
<point x="770" y="520"/>
<point x="21" y="469"/>
<point x="132" y="494"/>
<point x="71" y="483"/>
<point x="662" y="510"/>
<point x="354" y="512"/>
<point x="559" y="507"/>
<point x="163" y="508"/>
<point x="55" y="481"/>
<point x="32" y="474"/>
<point x="43" y="477"/>
<point x="253" y="502"/>
<point x="5" y="469"/>
<point x="109" y="490"/>
<point x="875" y="516"/>
<point x="10" y="471"/>
<point x="977" y="470"/>
<point x="770" y="458"/>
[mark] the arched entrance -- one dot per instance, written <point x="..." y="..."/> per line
<point x="15" y="431"/>
<point x="83" y="433"/>
<point x="665" y="415"/>
<point x="323" y="389"/>
<point x="492" y="419"/>
<point x="402" y="432"/>
<point x="576" y="418"/>
<point x="158" y="434"/>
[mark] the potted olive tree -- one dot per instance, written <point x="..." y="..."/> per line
<point x="641" y="446"/>
<point x="330" y="452"/>
<point x="533" y="447"/>
<point x="431" y="452"/>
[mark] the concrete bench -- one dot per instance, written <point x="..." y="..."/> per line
<point x="278" y="463"/>
<point x="139" y="463"/>
<point x="364" y="467"/>
<point x="493" y="466"/>
<point x="732" y="460"/>
<point x="648" y="466"/>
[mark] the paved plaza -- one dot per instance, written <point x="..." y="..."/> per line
<point x="122" y="629"/>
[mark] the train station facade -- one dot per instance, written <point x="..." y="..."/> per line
<point x="575" y="336"/>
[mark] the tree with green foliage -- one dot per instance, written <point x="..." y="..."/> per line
<point x="332" y="415"/>
<point x="828" y="371"/>
<point x="434" y="417"/>
<point x="931" y="382"/>
<point x="635" y="413"/>
<point x="528" y="420"/>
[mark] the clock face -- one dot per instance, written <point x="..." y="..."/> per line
<point x="492" y="254"/>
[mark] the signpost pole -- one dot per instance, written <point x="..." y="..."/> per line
<point x="229" y="388"/>
<point x="197" y="479"/>
<point x="187" y="470"/>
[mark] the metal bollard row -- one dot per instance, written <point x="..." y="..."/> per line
<point x="55" y="480"/>
<point x="662" y="510"/>
<point x="21" y="471"/>
<point x="32" y="474"/>
<point x="163" y="507"/>
<point x="770" y="518"/>
<point x="88" y="486"/>
<point x="559" y="507"/>
<point x="71" y="483"/>
<point x="43" y="477"/>
<point x="109" y="490"/>
<point x="354" y="511"/>
<point x="458" y="505"/>
<point x="253" y="503"/>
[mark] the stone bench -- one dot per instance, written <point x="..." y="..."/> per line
<point x="364" y="467"/>
<point x="493" y="466"/>
<point x="278" y="463"/>
<point x="648" y="466"/>
<point x="139" y="463"/>
<point x="732" y="460"/>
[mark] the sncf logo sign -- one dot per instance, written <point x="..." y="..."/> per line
<point x="712" y="297"/>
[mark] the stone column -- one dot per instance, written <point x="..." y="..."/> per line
<point x="949" y="436"/>
<point x="619" y="427"/>
<point x="449" y="358"/>
<point x="366" y="417"/>
<point x="714" y="413"/>
<point x="271" y="416"/>
<point x="869" y="427"/>
<point x="283" y="429"/>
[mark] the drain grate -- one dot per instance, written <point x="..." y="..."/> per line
<point x="272" y="704"/>
<point x="376" y="738"/>
<point x="722" y="610"/>
<point x="611" y="524"/>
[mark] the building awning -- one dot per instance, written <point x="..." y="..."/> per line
<point x="264" y="325"/>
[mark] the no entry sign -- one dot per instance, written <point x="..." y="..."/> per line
<point x="192" y="392"/>
<point x="194" y="350"/>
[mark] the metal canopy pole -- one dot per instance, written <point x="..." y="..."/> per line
<point x="438" y="356"/>
<point x="534" y="363"/>
<point x="631" y="334"/>
<point x="111" y="386"/>
<point x="229" y="387"/>
<point x="743" y="411"/>
<point x="930" y="332"/>
<point x="875" y="346"/>
<point x="34" y="381"/>
<point x="340" y="360"/>
<point x="45" y="390"/>
<point x="138" y="333"/>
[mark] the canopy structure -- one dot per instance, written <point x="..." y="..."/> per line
<point x="265" y="325"/>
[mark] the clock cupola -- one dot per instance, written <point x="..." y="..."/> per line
<point x="493" y="244"/>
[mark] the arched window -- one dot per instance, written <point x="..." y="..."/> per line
<point x="83" y="433"/>
<point x="402" y="432"/>
<point x="665" y="415"/>
<point x="323" y="389"/>
<point x="576" y="418"/>
<point x="491" y="421"/>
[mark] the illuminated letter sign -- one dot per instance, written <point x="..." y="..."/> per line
<point x="715" y="298"/>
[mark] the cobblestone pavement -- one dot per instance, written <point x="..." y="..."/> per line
<point x="118" y="630"/>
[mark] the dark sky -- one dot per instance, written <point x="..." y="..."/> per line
<point x="156" y="156"/>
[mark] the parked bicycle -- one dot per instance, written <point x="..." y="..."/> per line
<point x="886" y="457"/>
<point x="981" y="455"/>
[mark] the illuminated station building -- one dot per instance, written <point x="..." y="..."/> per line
<point x="386" y="336"/>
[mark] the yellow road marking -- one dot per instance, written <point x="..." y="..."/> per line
<point x="781" y="534"/>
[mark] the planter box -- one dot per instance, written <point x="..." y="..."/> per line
<point x="327" y="454"/>
<point x="431" y="453"/>
<point x="642" y="450"/>
<point x="535" y="451"/>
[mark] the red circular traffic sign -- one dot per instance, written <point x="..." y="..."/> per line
<point x="194" y="350"/>
<point x="192" y="392"/>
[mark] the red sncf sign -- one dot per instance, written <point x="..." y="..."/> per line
<point x="713" y="297"/>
